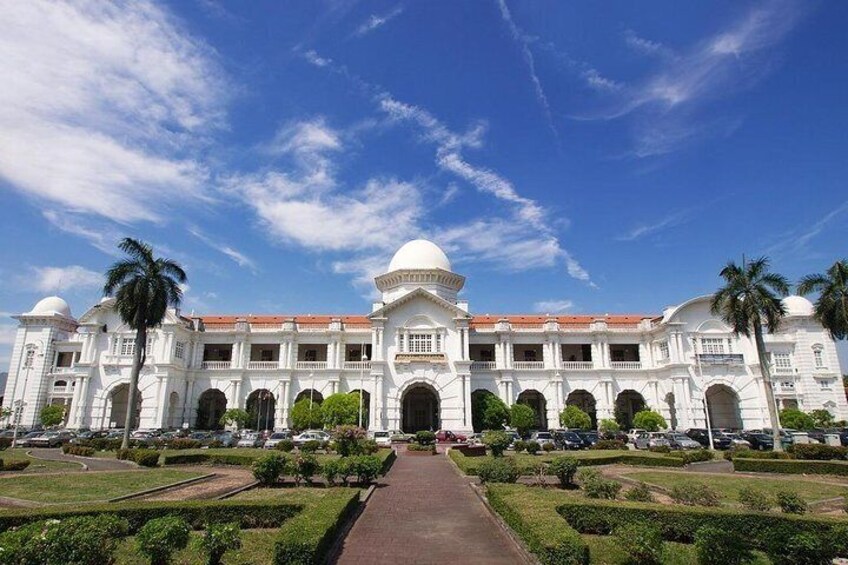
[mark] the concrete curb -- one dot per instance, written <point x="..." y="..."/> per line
<point x="161" y="488"/>
<point x="80" y="463"/>
<point x="236" y="491"/>
<point x="341" y="535"/>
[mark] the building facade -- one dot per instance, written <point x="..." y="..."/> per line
<point x="420" y="357"/>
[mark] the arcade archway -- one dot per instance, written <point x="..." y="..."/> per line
<point x="420" y="409"/>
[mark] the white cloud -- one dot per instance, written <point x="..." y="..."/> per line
<point x="797" y="241"/>
<point x="672" y="220"/>
<point x="103" y="106"/>
<point x="101" y="237"/>
<point x="313" y="58"/>
<point x="376" y="21"/>
<point x="646" y="46"/>
<point x="237" y="256"/>
<point x="553" y="306"/>
<point x="60" y="279"/>
<point x="596" y="81"/>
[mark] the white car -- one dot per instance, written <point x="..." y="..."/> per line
<point x="635" y="433"/>
<point x="542" y="438"/>
<point x="310" y="435"/>
<point x="276" y="438"/>
<point x="250" y="440"/>
<point x="383" y="438"/>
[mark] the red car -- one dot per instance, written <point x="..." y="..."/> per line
<point x="445" y="436"/>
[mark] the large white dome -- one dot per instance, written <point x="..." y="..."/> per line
<point x="50" y="306"/>
<point x="420" y="254"/>
<point x="798" y="306"/>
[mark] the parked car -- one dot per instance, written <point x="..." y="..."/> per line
<point x="24" y="439"/>
<point x="758" y="440"/>
<point x="648" y="440"/>
<point x="400" y="436"/>
<point x="475" y="439"/>
<point x="635" y="433"/>
<point x="720" y="440"/>
<point x="89" y="435"/>
<point x="52" y="439"/>
<point x="251" y="439"/>
<point x="275" y="438"/>
<point x="447" y="436"/>
<point x="588" y="437"/>
<point x="567" y="439"/>
<point x="383" y="438"/>
<point x="543" y="438"/>
<point x="310" y="435"/>
<point x="227" y="439"/>
<point x="736" y="440"/>
<point x="679" y="440"/>
<point x="785" y="436"/>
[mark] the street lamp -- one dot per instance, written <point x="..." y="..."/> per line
<point x="362" y="384"/>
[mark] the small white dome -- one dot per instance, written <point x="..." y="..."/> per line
<point x="798" y="306"/>
<point x="50" y="306"/>
<point x="420" y="254"/>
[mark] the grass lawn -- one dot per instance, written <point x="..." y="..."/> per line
<point x="297" y="495"/>
<point x="36" y="465"/>
<point x="526" y="461"/>
<point x="604" y="550"/>
<point x="88" y="487"/>
<point x="728" y="486"/>
<point x="257" y="546"/>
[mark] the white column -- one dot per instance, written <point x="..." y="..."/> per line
<point x="75" y="408"/>
<point x="161" y="401"/>
<point x="188" y="403"/>
<point x="379" y="401"/>
<point x="286" y="401"/>
<point x="466" y="400"/>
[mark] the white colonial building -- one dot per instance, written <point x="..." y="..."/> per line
<point x="420" y="357"/>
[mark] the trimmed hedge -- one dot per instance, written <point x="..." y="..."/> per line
<point x="790" y="466"/>
<point x="681" y="524"/>
<point x="817" y="451"/>
<point x="205" y="458"/>
<point x="248" y="514"/>
<point x="78" y="450"/>
<point x="552" y="541"/>
<point x="14" y="465"/>
<point x="469" y="465"/>
<point x="307" y="538"/>
<point x="388" y="461"/>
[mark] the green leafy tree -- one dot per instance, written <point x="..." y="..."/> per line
<point x="831" y="306"/>
<point x="822" y="418"/>
<point x="52" y="415"/>
<point x="219" y="539"/>
<point x="340" y="409"/>
<point x="522" y="418"/>
<point x="795" y="419"/>
<point x="144" y="287"/>
<point x="236" y="417"/>
<point x="160" y="538"/>
<point x="749" y="300"/>
<point x="488" y="412"/>
<point x="574" y="418"/>
<point x="649" y="420"/>
<point x="304" y="417"/>
<point x="609" y="427"/>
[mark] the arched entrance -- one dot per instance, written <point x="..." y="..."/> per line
<point x="210" y="407"/>
<point x="317" y="397"/>
<point x="536" y="400"/>
<point x="584" y="400"/>
<point x="420" y="409"/>
<point x="172" y="420"/>
<point x="366" y="405"/>
<point x="119" y="399"/>
<point x="627" y="404"/>
<point x="488" y="412"/>
<point x="723" y="407"/>
<point x="260" y="408"/>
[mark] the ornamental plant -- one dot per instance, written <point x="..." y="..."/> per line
<point x="497" y="442"/>
<point x="609" y="427"/>
<point x="532" y="447"/>
<point x="218" y="539"/>
<point x="640" y="493"/>
<point x="692" y="493"/>
<point x="425" y="437"/>
<point x="574" y="418"/>
<point x="52" y="415"/>
<point x="796" y="419"/>
<point x="649" y="420"/>
<point x="643" y="543"/>
<point x="498" y="470"/>
<point x="81" y="539"/>
<point x="268" y="468"/>
<point x="755" y="499"/>
<point x="348" y="439"/>
<point x="488" y="412"/>
<point x="340" y="409"/>
<point x="716" y="546"/>
<point x="522" y="418"/>
<point x="564" y="468"/>
<point x="235" y="417"/>
<point x="159" y="538"/>
<point x="790" y="502"/>
<point x="305" y="467"/>
<point x="305" y="417"/>
<point x="366" y="468"/>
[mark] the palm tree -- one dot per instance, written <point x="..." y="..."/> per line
<point x="750" y="299"/>
<point x="144" y="287"/>
<point x="832" y="304"/>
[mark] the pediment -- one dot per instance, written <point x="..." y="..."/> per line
<point x="420" y="294"/>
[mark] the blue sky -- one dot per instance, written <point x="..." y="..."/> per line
<point x="570" y="157"/>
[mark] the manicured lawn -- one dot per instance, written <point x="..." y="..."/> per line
<point x="728" y="486"/>
<point x="588" y="457"/>
<point x="37" y="465"/>
<point x="295" y="495"/>
<point x="257" y="547"/>
<point x="605" y="550"/>
<point x="88" y="487"/>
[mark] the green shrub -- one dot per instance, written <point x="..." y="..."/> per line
<point x="660" y="449"/>
<point x="334" y="470"/>
<point x="219" y="539"/>
<point x="184" y="443"/>
<point x="522" y="417"/>
<point x="304" y="467"/>
<point x="609" y="427"/>
<point x="519" y="445"/>
<point x="752" y="498"/>
<point x="649" y="420"/>
<point x="790" y="502"/>
<point x="548" y="447"/>
<point x="796" y="419"/>
<point x="310" y="446"/>
<point x="609" y="444"/>
<point x="365" y="468"/>
<point x="696" y="455"/>
<point x="78" y="450"/>
<point x="639" y="493"/>
<point x="596" y="486"/>
<point x="716" y="546"/>
<point x="692" y="493"/>
<point x="642" y="543"/>
<point x="425" y="437"/>
<point x="497" y="442"/>
<point x="737" y="451"/>
<point x="307" y="538"/>
<point x="573" y="418"/>
<point x="532" y="447"/>
<point x="268" y="468"/>
<point x="146" y="457"/>
<point x="498" y="470"/>
<point x="417" y="447"/>
<point x="14" y="465"/>
<point x="83" y="540"/>
<point x="564" y="468"/>
<point x="819" y="452"/>
<point x="159" y="538"/>
<point x="285" y="445"/>
<point x="348" y="439"/>
<point x="804" y="548"/>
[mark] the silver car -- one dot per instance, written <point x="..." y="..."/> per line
<point x="682" y="441"/>
<point x="647" y="440"/>
<point x="542" y="438"/>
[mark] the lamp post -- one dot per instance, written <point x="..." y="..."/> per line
<point x="361" y="384"/>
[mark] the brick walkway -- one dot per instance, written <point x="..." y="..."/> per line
<point x="424" y="512"/>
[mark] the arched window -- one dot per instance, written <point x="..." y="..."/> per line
<point x="818" y="356"/>
<point x="60" y="384"/>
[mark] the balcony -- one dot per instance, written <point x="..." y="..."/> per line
<point x="577" y="365"/>
<point x="736" y="359"/>
<point x="626" y="365"/>
<point x="262" y="365"/>
<point x="528" y="365"/>
<point x="483" y="365"/>
<point x="310" y="365"/>
<point x="784" y="388"/>
<point x="357" y="365"/>
<point x="215" y="365"/>
<point x="783" y="370"/>
<point x="57" y="370"/>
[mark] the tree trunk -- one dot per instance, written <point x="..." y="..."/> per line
<point x="768" y="385"/>
<point x="138" y="362"/>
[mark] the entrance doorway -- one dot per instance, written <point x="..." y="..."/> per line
<point x="420" y="409"/>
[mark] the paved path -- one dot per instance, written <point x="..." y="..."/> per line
<point x="424" y="512"/>
<point x="94" y="463"/>
<point x="226" y="480"/>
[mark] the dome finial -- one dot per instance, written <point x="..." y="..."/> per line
<point x="420" y="254"/>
